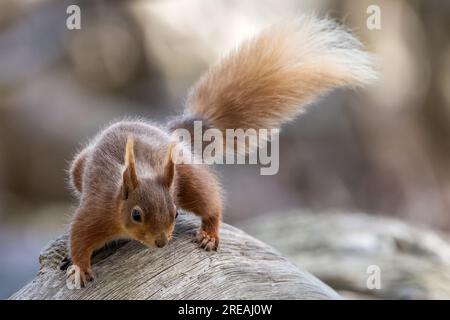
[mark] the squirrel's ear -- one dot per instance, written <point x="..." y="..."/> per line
<point x="169" y="167"/>
<point x="130" y="180"/>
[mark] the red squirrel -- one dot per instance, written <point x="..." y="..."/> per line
<point x="126" y="180"/>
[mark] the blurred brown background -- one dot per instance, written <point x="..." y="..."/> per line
<point x="385" y="150"/>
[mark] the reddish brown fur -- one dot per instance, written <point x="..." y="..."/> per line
<point x="77" y="169"/>
<point x="128" y="169"/>
<point x="137" y="157"/>
<point x="197" y="190"/>
<point x="271" y="77"/>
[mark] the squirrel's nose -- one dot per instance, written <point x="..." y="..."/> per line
<point x="160" y="243"/>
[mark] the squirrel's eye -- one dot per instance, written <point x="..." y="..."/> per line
<point x="136" y="215"/>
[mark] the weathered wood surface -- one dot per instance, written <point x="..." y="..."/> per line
<point x="338" y="248"/>
<point x="243" y="268"/>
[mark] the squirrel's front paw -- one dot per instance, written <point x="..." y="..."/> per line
<point x="207" y="241"/>
<point x="77" y="278"/>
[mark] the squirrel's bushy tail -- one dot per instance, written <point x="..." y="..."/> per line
<point x="270" y="78"/>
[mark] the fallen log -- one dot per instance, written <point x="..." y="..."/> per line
<point x="346" y="250"/>
<point x="242" y="268"/>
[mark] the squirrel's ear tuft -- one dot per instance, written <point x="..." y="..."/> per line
<point x="169" y="167"/>
<point x="130" y="180"/>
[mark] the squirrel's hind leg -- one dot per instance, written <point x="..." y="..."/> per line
<point x="77" y="168"/>
<point x="198" y="191"/>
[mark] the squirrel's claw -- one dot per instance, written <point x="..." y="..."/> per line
<point x="207" y="241"/>
<point x="76" y="278"/>
<point x="65" y="263"/>
<point x="73" y="280"/>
